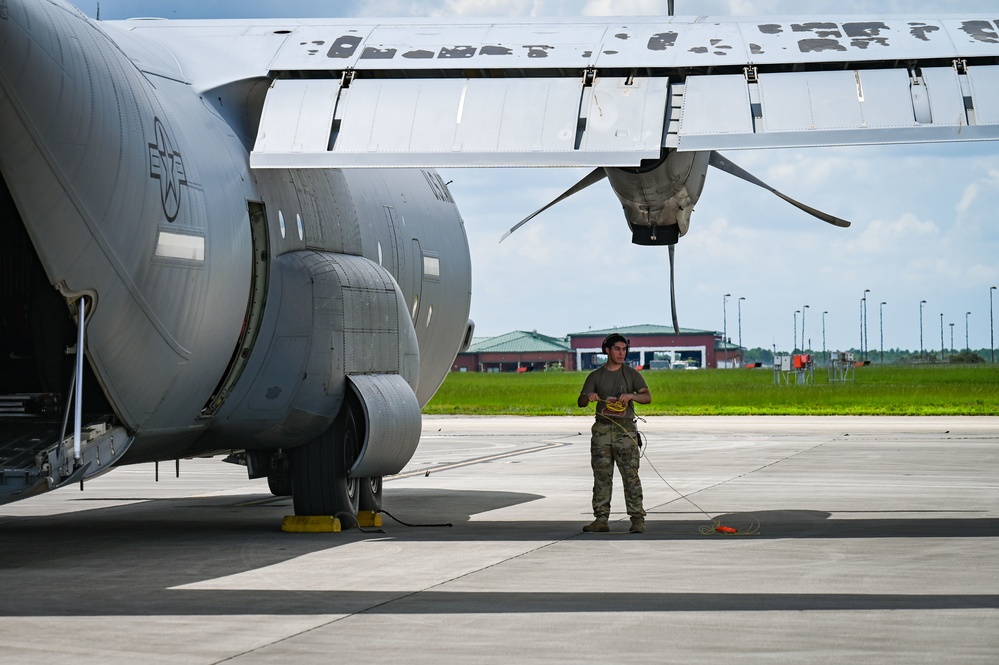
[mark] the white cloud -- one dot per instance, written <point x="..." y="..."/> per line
<point x="902" y="236"/>
<point x="624" y="8"/>
<point x="486" y="8"/>
<point x="970" y="194"/>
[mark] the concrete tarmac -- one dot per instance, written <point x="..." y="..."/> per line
<point x="865" y="540"/>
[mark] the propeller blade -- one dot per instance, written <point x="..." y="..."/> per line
<point x="594" y="176"/>
<point x="672" y="292"/>
<point x="726" y="165"/>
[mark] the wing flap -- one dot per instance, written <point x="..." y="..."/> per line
<point x="870" y="106"/>
<point x="297" y="117"/>
<point x="985" y="94"/>
<point x="369" y="122"/>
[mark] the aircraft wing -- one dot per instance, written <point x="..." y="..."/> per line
<point x="601" y="92"/>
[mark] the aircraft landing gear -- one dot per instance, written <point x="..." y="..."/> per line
<point x="371" y="494"/>
<point x="278" y="470"/>
<point x="319" y="468"/>
<point x="280" y="483"/>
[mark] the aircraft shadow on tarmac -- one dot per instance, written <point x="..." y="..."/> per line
<point x="441" y="514"/>
<point x="170" y="602"/>
<point x="128" y="559"/>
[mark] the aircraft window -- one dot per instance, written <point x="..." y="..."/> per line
<point x="416" y="306"/>
<point x="430" y="314"/>
<point x="281" y="223"/>
<point x="301" y="229"/>
<point x="431" y="266"/>
<point x="379" y="252"/>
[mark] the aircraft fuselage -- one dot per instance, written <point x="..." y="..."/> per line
<point x="204" y="331"/>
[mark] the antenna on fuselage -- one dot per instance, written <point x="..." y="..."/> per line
<point x="671" y="8"/>
<point x="99" y="9"/>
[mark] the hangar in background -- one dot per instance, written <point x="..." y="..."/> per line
<point x="517" y="351"/>
<point x="652" y="347"/>
<point x="657" y="347"/>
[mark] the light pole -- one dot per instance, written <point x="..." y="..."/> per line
<point x="725" y="316"/>
<point x="803" y="338"/>
<point x="992" y="339"/>
<point x="952" y="349"/>
<point x="921" y="303"/>
<point x="941" y="336"/>
<point x="824" y="354"/>
<point x="861" y="327"/>
<point x="741" y="298"/>
<point x="967" y="347"/>
<point x="795" y="348"/>
<point x="866" y="345"/>
<point x="881" y="325"/>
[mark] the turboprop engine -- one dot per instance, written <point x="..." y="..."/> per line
<point x="658" y="198"/>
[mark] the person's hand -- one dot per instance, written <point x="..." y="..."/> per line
<point x="593" y="397"/>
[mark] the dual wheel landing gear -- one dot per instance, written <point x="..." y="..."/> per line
<point x="320" y="483"/>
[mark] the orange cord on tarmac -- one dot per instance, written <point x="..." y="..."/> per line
<point x="716" y="526"/>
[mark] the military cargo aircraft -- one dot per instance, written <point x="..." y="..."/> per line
<point x="227" y="237"/>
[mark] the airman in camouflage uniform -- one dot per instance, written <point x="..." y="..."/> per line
<point x="615" y="387"/>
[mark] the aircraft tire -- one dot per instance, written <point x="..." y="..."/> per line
<point x="280" y="484"/>
<point x="319" y="468"/>
<point x="371" y="494"/>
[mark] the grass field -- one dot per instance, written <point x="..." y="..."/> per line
<point x="971" y="390"/>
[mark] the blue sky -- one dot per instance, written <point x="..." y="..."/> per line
<point x="924" y="217"/>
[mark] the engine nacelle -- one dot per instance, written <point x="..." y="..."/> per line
<point x="659" y="197"/>
<point x="330" y="316"/>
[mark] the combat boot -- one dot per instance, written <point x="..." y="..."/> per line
<point x="597" y="526"/>
<point x="637" y="525"/>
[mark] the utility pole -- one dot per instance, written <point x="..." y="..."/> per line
<point x="952" y="349"/>
<point x="967" y="347"/>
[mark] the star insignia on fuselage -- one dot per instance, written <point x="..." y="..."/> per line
<point x="167" y="166"/>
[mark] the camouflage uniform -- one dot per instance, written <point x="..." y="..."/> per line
<point x="615" y="440"/>
<point x="612" y="442"/>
